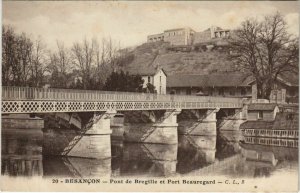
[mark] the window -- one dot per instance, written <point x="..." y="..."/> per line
<point x="231" y="91"/>
<point x="210" y="91"/>
<point x="216" y="34"/>
<point x="260" y="115"/>
<point x="160" y="79"/>
<point x="149" y="79"/>
<point x="188" y="91"/>
<point x="243" y="91"/>
<point x="290" y="117"/>
<point x="221" y="91"/>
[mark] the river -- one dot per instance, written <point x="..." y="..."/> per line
<point x="222" y="155"/>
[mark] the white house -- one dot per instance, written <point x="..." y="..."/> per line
<point x="155" y="76"/>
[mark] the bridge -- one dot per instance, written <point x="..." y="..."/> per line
<point x="40" y="100"/>
<point x="148" y="118"/>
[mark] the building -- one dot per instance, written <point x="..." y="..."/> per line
<point x="291" y="88"/>
<point x="212" y="33"/>
<point x="155" y="76"/>
<point x="155" y="37"/>
<point x="179" y="36"/>
<point x="262" y="111"/>
<point x="286" y="89"/>
<point x="187" y="36"/>
<point x="268" y="129"/>
<point x="209" y="85"/>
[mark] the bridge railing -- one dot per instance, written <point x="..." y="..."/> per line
<point x="30" y="93"/>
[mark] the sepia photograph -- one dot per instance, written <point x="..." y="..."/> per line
<point x="150" y="96"/>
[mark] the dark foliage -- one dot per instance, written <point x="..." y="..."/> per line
<point x="120" y="81"/>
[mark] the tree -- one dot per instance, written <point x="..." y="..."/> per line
<point x="96" y="62"/>
<point x="28" y="63"/>
<point x="59" y="66"/>
<point x="83" y="57"/>
<point x="102" y="69"/>
<point x="16" y="57"/>
<point x="120" y="81"/>
<point x="266" y="50"/>
<point x="38" y="63"/>
<point x="150" y="88"/>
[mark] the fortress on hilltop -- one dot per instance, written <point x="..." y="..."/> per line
<point x="187" y="36"/>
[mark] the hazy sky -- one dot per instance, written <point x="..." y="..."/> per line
<point x="131" y="22"/>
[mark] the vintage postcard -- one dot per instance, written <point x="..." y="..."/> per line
<point x="119" y="96"/>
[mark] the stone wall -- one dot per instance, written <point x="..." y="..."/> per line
<point x="200" y="37"/>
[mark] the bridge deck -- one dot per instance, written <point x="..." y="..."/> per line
<point x="40" y="100"/>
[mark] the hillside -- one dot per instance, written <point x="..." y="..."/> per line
<point x="179" y="61"/>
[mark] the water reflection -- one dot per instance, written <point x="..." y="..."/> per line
<point x="22" y="166"/>
<point x="228" y="144"/>
<point x="21" y="154"/>
<point x="223" y="154"/>
<point x="75" y="167"/>
<point x="136" y="159"/>
<point x="263" y="160"/>
<point x="195" y="152"/>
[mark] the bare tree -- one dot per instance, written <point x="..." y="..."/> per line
<point x="266" y="50"/>
<point x="95" y="61"/>
<point x="26" y="62"/>
<point x="8" y="53"/>
<point x="38" y="65"/>
<point x="83" y="58"/>
<point x="60" y="66"/>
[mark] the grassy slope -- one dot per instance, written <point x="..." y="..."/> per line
<point x="156" y="54"/>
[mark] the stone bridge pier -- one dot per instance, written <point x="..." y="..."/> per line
<point x="198" y="122"/>
<point x="199" y="128"/>
<point x="158" y="126"/>
<point x="231" y="119"/>
<point x="91" y="140"/>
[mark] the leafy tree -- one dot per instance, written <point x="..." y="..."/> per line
<point x="266" y="50"/>
<point x="150" y="88"/>
<point x="120" y="81"/>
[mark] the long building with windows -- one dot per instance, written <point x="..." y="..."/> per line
<point x="231" y="85"/>
<point x="210" y="85"/>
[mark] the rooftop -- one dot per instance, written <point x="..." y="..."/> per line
<point x="257" y="125"/>
<point x="211" y="80"/>
<point x="145" y="71"/>
<point x="287" y="121"/>
<point x="155" y="35"/>
<point x="289" y="79"/>
<point x="262" y="106"/>
<point x="177" y="29"/>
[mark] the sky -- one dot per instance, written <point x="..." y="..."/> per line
<point x="130" y="22"/>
